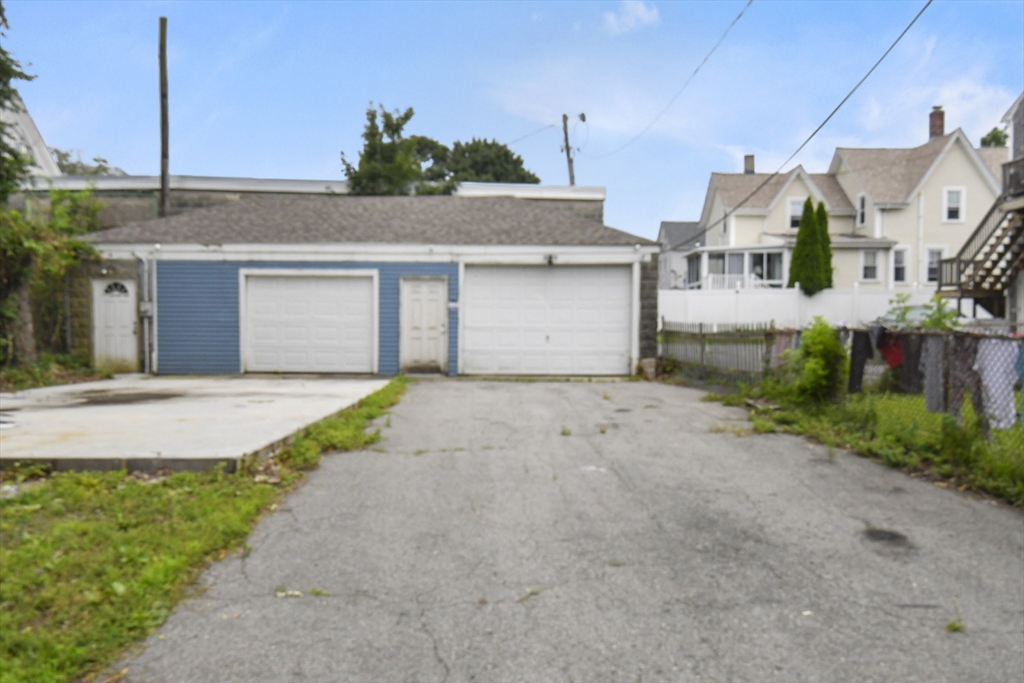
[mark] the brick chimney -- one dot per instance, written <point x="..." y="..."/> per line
<point x="936" y="123"/>
<point x="748" y="164"/>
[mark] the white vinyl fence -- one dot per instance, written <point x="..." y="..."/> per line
<point x="787" y="308"/>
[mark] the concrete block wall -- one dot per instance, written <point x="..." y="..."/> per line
<point x="649" y="308"/>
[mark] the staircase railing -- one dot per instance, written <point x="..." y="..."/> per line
<point x="952" y="271"/>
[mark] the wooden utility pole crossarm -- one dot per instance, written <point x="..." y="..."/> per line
<point x="165" y="199"/>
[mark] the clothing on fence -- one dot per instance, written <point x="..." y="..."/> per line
<point x="890" y="347"/>
<point x="933" y="365"/>
<point x="911" y="380"/>
<point x="876" y="332"/>
<point x="1020" y="373"/>
<point x="994" y="364"/>
<point x="860" y="352"/>
<point x="963" y="350"/>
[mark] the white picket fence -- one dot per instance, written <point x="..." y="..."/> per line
<point x="787" y="308"/>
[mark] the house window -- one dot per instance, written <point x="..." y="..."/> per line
<point x="869" y="265"/>
<point x="735" y="264"/>
<point x="934" y="257"/>
<point x="767" y="267"/>
<point x="953" y="204"/>
<point x="693" y="270"/>
<point x="716" y="264"/>
<point x="862" y="209"/>
<point x="796" y="210"/>
<point x="899" y="265"/>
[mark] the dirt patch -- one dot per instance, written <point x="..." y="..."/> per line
<point x="100" y="397"/>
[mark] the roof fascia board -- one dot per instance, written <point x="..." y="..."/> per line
<point x="199" y="183"/>
<point x="529" y="191"/>
<point x="382" y="252"/>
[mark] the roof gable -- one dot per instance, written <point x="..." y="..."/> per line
<point x="893" y="176"/>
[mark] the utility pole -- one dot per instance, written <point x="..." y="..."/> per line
<point x="568" y="150"/>
<point x="165" y="198"/>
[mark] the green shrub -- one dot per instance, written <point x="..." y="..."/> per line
<point x="820" y="365"/>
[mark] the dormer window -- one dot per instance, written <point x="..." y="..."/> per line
<point x="796" y="211"/>
<point x="862" y="210"/>
<point x="953" y="204"/>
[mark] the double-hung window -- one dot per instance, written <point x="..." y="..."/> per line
<point x="934" y="257"/>
<point x="953" y="204"/>
<point x="796" y="211"/>
<point x="869" y="265"/>
<point x="899" y="265"/>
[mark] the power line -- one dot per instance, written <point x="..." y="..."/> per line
<point x="542" y="128"/>
<point x="827" y="119"/>
<point x="679" y="92"/>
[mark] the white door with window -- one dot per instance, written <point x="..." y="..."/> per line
<point x="115" y="330"/>
<point x="423" y="337"/>
<point x="547" y="320"/>
<point x="309" y="322"/>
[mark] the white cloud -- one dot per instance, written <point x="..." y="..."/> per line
<point x="631" y="16"/>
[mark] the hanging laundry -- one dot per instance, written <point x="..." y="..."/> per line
<point x="963" y="350"/>
<point x="860" y="352"/>
<point x="933" y="365"/>
<point x="911" y="379"/>
<point x="994" y="364"/>
<point x="890" y="347"/>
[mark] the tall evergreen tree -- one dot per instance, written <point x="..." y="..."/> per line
<point x="826" y="245"/>
<point x="806" y="267"/>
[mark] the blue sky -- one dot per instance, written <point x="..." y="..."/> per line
<point x="277" y="90"/>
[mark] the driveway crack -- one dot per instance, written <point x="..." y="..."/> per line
<point x="433" y="641"/>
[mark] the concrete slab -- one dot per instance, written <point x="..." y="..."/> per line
<point x="145" y="422"/>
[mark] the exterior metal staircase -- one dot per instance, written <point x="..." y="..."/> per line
<point x="994" y="253"/>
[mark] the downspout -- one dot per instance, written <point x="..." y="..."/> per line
<point x="921" y="256"/>
<point x="145" y="311"/>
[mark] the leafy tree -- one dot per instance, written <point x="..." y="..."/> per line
<point x="807" y="267"/>
<point x="388" y="164"/>
<point x="69" y="165"/>
<point x="826" y="244"/>
<point x="13" y="164"/>
<point x="487" y="161"/>
<point x="994" y="138"/>
<point x="36" y="250"/>
<point x="391" y="164"/>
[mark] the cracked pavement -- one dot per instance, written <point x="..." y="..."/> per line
<point x="478" y="542"/>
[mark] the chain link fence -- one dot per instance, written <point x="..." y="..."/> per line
<point x="914" y="378"/>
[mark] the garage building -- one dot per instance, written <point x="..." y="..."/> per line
<point x="374" y="285"/>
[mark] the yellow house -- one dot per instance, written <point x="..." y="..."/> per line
<point x="894" y="214"/>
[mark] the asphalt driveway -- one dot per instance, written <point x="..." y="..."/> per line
<point x="604" y="531"/>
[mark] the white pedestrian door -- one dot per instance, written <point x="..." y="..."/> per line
<point x="423" y="306"/>
<point x="115" y="337"/>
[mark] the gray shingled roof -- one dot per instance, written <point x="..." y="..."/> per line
<point x="994" y="158"/>
<point x="676" y="233"/>
<point x="734" y="187"/>
<point x="303" y="219"/>
<point x="890" y="175"/>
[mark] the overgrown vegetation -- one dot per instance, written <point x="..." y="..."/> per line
<point x="93" y="562"/>
<point x="49" y="370"/>
<point x="806" y="398"/>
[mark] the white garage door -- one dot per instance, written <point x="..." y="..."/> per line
<point x="554" y="320"/>
<point x="309" y="323"/>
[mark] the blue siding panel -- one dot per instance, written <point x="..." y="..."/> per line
<point x="198" y="312"/>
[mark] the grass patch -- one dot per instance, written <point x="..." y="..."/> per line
<point x="93" y="562"/>
<point x="897" y="430"/>
<point x="49" y="370"/>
